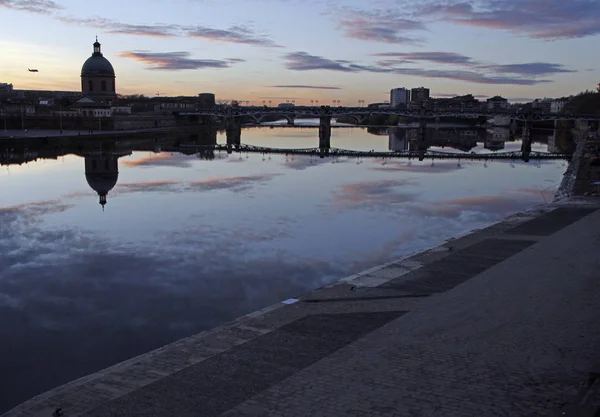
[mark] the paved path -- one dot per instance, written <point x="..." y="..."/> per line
<point x="502" y="322"/>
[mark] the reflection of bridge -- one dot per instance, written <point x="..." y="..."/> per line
<point x="337" y="152"/>
<point x="359" y="114"/>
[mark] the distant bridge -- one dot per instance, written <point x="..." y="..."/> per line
<point x="410" y="154"/>
<point x="359" y="114"/>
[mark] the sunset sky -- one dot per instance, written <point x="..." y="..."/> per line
<point x="275" y="50"/>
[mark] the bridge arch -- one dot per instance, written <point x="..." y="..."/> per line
<point x="288" y="117"/>
<point x="357" y="118"/>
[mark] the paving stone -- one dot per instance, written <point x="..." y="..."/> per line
<point x="223" y="381"/>
<point x="552" y="222"/>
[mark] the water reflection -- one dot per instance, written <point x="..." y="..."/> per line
<point x="192" y="236"/>
<point x="102" y="171"/>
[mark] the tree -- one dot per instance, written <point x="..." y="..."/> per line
<point x="598" y="87"/>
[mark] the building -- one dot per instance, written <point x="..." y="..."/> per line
<point x="285" y="106"/>
<point x="399" y="97"/>
<point x="558" y="105"/>
<point x="45" y="94"/>
<point x="497" y="103"/>
<point x="458" y="103"/>
<point x="378" y="105"/>
<point x="98" y="77"/>
<point x="544" y="105"/>
<point x="6" y="89"/>
<point x="87" y="107"/>
<point x="206" y="100"/>
<point x="419" y="96"/>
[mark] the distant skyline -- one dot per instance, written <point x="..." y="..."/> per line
<point x="307" y="50"/>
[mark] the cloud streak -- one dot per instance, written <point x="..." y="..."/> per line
<point x="33" y="6"/>
<point x="537" y="19"/>
<point x="234" y="34"/>
<point x="532" y="69"/>
<point x="435" y="57"/>
<point x="173" y="61"/>
<point x="380" y="26"/>
<point x="303" y="61"/>
<point x="316" y="87"/>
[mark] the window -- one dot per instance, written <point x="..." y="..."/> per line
<point x="90" y="85"/>
<point x="113" y="85"/>
<point x="103" y="85"/>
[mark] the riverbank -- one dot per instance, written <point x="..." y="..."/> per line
<point x="481" y="324"/>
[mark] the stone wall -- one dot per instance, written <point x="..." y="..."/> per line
<point x="567" y="185"/>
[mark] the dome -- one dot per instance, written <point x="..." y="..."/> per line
<point x="97" y="64"/>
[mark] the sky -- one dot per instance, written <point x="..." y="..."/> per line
<point x="303" y="50"/>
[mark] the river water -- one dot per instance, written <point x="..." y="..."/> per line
<point x="184" y="244"/>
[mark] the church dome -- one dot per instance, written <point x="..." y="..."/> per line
<point x="97" y="64"/>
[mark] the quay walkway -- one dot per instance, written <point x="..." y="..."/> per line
<point x="501" y="322"/>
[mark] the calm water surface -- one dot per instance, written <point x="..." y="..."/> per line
<point x="184" y="244"/>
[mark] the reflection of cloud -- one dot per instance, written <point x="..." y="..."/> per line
<point x="241" y="183"/>
<point x="300" y="162"/>
<point x="118" y="301"/>
<point x="480" y="208"/>
<point x="148" y="186"/>
<point x="438" y="167"/>
<point x="383" y="192"/>
<point x="161" y="159"/>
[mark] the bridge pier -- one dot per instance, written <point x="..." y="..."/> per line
<point x="324" y="135"/>
<point x="526" y="141"/>
<point x="234" y="134"/>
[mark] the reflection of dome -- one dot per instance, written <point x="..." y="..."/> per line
<point x="102" y="173"/>
<point x="102" y="183"/>
<point x="97" y="64"/>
